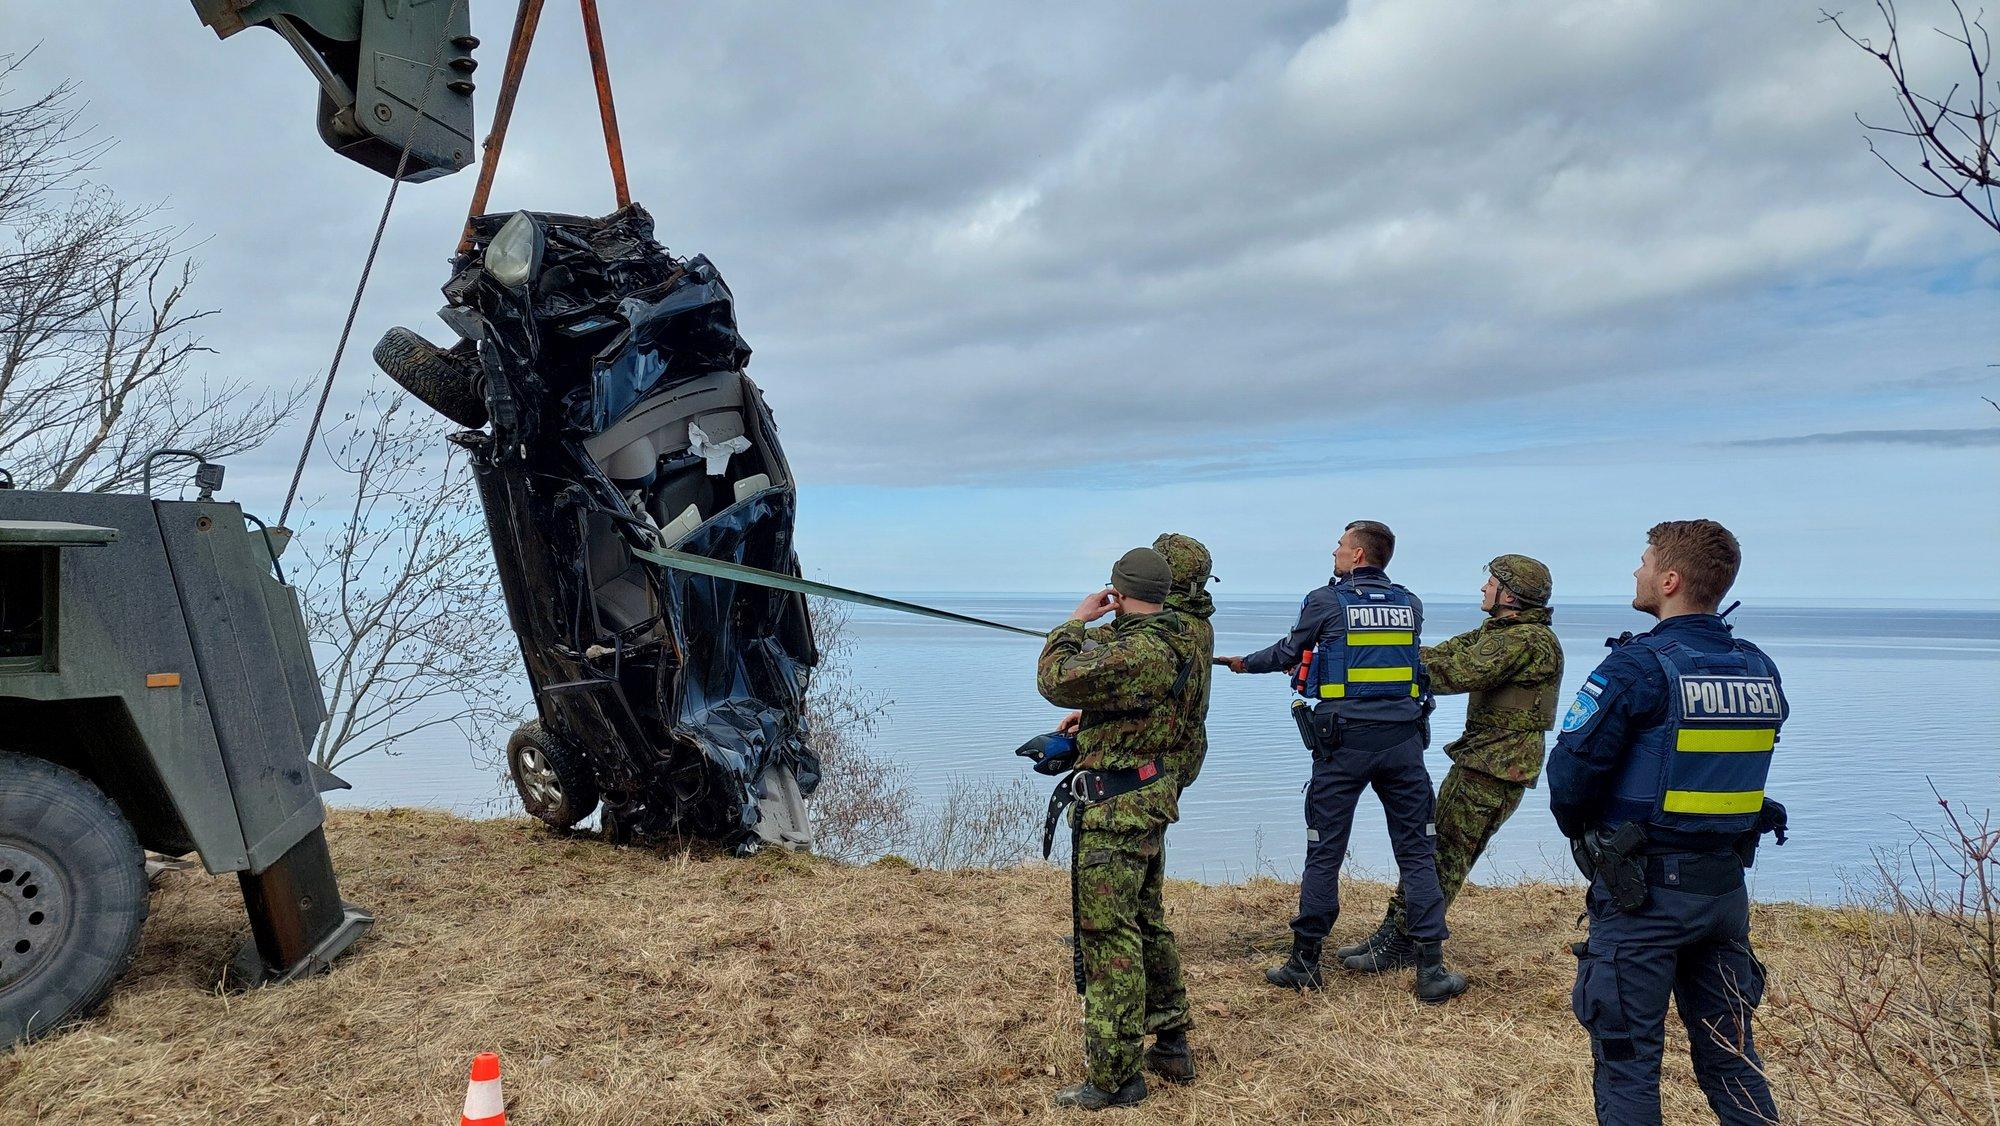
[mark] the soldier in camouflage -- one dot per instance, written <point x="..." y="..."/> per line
<point x="1190" y="599"/>
<point x="1130" y="684"/>
<point x="1511" y="667"/>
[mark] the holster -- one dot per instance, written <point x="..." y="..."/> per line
<point x="1319" y="728"/>
<point x="1302" y="715"/>
<point x="1617" y="862"/>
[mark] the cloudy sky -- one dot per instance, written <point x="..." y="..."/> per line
<point x="1031" y="282"/>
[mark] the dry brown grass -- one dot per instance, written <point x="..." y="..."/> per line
<point x="633" y="986"/>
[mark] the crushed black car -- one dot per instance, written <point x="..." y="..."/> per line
<point x="602" y="381"/>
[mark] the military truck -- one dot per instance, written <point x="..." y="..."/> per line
<point x="156" y="692"/>
<point x="156" y="686"/>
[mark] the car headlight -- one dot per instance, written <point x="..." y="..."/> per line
<point x="516" y="252"/>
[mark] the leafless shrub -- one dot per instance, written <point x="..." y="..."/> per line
<point x="979" y="825"/>
<point x="402" y="602"/>
<point x="865" y="806"/>
<point x="862" y="807"/>
<point x="97" y="328"/>
<point x="1898" y="1019"/>
<point x="1949" y="136"/>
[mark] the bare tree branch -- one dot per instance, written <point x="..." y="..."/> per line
<point x="1948" y="138"/>
<point x="401" y="598"/>
<point x="98" y="329"/>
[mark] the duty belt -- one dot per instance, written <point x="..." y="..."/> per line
<point x="1710" y="873"/>
<point x="1094" y="787"/>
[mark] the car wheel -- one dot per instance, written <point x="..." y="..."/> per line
<point x="447" y="381"/>
<point x="552" y="777"/>
<point x="72" y="896"/>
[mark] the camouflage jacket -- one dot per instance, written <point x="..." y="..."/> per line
<point x="1512" y="669"/>
<point x="1131" y="683"/>
<point x="1195" y="609"/>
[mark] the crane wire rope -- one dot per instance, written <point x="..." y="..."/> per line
<point x="367" y="268"/>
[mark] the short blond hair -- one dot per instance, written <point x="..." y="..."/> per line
<point x="1703" y="552"/>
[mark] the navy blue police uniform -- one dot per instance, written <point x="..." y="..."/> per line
<point x="1365" y="685"/>
<point x="1674" y="734"/>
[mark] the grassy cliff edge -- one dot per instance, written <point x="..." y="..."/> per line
<point x="639" y="986"/>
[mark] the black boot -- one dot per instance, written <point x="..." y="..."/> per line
<point x="1301" y="970"/>
<point x="1435" y="983"/>
<point x="1089" y="1096"/>
<point x="1396" y="952"/>
<point x="1170" y="1058"/>
<point x="1383" y="934"/>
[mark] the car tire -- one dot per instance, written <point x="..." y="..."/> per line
<point x="552" y="777"/>
<point x="446" y="381"/>
<point x="72" y="896"/>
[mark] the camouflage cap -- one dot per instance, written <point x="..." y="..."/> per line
<point x="1188" y="558"/>
<point x="1528" y="579"/>
<point x="1142" y="574"/>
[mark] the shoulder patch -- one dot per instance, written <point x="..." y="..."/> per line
<point x="1583" y="709"/>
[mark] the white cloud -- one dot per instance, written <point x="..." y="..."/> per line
<point x="974" y="243"/>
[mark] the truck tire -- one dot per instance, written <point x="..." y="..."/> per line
<point x="72" y="896"/>
<point x="553" y="779"/>
<point x="447" y="381"/>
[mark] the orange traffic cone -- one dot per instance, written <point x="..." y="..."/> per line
<point x="483" y="1103"/>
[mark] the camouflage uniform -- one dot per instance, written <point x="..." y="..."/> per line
<point x="1130" y="680"/>
<point x="1190" y="599"/>
<point x="1512" y="667"/>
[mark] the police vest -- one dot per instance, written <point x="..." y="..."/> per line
<point x="1366" y="659"/>
<point x="1703" y="768"/>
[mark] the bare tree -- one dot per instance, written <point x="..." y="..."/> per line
<point x="862" y="807"/>
<point x="402" y="601"/>
<point x="1946" y="136"/>
<point x="97" y="329"/>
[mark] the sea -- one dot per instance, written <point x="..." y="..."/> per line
<point x="1895" y="707"/>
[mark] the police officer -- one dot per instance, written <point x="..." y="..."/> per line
<point x="1658" y="780"/>
<point x="1130" y="685"/>
<point x="1363" y="712"/>
<point x="1512" y="667"/>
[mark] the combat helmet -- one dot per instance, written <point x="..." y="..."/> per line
<point x="1526" y="579"/>
<point x="1190" y="561"/>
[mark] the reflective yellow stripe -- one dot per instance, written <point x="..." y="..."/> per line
<point x="1341" y="693"/>
<point x="1380" y="676"/>
<point x="1704" y="801"/>
<point x="1726" y="739"/>
<point x="1382" y="637"/>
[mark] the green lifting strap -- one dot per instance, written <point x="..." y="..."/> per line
<point x="716" y="568"/>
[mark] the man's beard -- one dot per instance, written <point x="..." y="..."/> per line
<point x="1646" y="604"/>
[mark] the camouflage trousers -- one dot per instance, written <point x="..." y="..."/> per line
<point x="1471" y="807"/>
<point x="1131" y="969"/>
